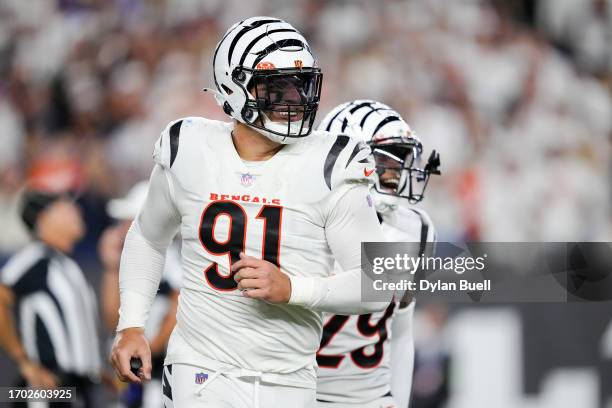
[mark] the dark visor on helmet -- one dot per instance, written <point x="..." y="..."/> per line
<point x="288" y="96"/>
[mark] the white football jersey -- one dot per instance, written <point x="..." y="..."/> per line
<point x="277" y="210"/>
<point x="354" y="361"/>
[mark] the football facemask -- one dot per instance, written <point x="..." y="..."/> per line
<point x="285" y="101"/>
<point x="400" y="169"/>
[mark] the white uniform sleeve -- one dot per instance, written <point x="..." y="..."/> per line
<point x="402" y="355"/>
<point x="173" y="271"/>
<point x="144" y="252"/>
<point x="352" y="221"/>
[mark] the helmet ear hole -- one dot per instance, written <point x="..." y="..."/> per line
<point x="247" y="114"/>
<point x="227" y="108"/>
<point x="239" y="75"/>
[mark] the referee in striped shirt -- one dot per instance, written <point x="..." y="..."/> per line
<point x="47" y="309"/>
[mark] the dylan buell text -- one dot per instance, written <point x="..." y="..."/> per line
<point x="432" y="286"/>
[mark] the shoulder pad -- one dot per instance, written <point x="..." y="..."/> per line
<point x="348" y="160"/>
<point x="166" y="147"/>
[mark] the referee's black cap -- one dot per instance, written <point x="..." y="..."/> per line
<point x="34" y="202"/>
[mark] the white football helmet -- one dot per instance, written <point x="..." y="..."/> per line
<point x="401" y="172"/>
<point x="267" y="78"/>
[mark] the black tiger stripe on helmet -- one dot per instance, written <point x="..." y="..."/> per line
<point x="360" y="113"/>
<point x="254" y="25"/>
<point x="254" y="52"/>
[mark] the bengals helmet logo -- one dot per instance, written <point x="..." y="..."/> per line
<point x="265" y="65"/>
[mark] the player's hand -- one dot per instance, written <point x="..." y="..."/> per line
<point x="130" y="343"/>
<point x="259" y="279"/>
<point x="37" y="376"/>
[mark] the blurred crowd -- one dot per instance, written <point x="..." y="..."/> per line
<point x="515" y="95"/>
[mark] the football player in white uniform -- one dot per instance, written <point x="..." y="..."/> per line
<point x="264" y="206"/>
<point x="366" y="361"/>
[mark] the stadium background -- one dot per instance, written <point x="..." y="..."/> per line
<point x="515" y="95"/>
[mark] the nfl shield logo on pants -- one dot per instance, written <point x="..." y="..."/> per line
<point x="200" y="378"/>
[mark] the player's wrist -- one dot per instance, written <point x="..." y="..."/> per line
<point x="132" y="330"/>
<point x="302" y="290"/>
<point x="133" y="310"/>
<point x="287" y="297"/>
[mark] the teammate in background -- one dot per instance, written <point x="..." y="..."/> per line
<point x="366" y="361"/>
<point x="265" y="206"/>
<point x="163" y="311"/>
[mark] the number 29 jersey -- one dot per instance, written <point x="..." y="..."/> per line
<point x="354" y="361"/>
<point x="277" y="210"/>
